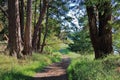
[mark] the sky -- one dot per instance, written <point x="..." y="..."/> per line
<point x="75" y="12"/>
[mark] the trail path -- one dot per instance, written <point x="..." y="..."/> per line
<point x="55" y="71"/>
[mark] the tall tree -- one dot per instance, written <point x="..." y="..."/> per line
<point x="35" y="15"/>
<point x="40" y="30"/>
<point x="38" y="25"/>
<point x="27" y="37"/>
<point x="46" y="30"/>
<point x="14" y="43"/>
<point x="101" y="35"/>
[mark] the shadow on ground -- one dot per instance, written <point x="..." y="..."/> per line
<point x="14" y="76"/>
<point x="61" y="77"/>
<point x="55" y="71"/>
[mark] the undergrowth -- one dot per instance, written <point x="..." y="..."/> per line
<point x="13" y="69"/>
<point x="86" y="68"/>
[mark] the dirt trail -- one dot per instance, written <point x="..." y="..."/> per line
<point x="55" y="71"/>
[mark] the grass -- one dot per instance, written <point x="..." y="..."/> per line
<point x="13" y="69"/>
<point x="86" y="68"/>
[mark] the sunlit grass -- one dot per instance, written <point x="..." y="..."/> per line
<point x="13" y="69"/>
<point x="86" y="68"/>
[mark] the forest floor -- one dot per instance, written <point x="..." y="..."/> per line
<point x="55" y="71"/>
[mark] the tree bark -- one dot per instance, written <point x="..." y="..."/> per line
<point x="105" y="29"/>
<point x="38" y="25"/>
<point x="46" y="31"/>
<point x="27" y="37"/>
<point x="21" y="2"/>
<point x="93" y="29"/>
<point x="40" y="31"/>
<point x="35" y="13"/>
<point x="14" y="43"/>
<point x="101" y="36"/>
<point x="39" y="39"/>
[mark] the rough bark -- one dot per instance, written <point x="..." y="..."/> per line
<point x="93" y="29"/>
<point x="14" y="43"/>
<point x="27" y="37"/>
<point x="21" y="2"/>
<point x="101" y="36"/>
<point x="38" y="25"/>
<point x="105" y="29"/>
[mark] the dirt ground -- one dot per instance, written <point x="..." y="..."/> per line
<point x="55" y="71"/>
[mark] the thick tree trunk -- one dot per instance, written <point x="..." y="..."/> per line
<point x="36" y="30"/>
<point x="27" y="37"/>
<point x="21" y="9"/>
<point x="105" y="32"/>
<point x="101" y="36"/>
<point x="93" y="29"/>
<point x="14" y="43"/>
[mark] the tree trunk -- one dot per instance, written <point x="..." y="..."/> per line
<point x="38" y="25"/>
<point x="40" y="31"/>
<point x="21" y="9"/>
<point x="93" y="29"/>
<point x="105" y="29"/>
<point x="101" y="36"/>
<point x="14" y="43"/>
<point x="46" y="31"/>
<point x="35" y="13"/>
<point x="27" y="37"/>
<point x="39" y="39"/>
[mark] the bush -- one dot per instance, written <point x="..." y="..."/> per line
<point x="89" y="69"/>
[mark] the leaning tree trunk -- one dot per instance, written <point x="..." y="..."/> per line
<point x="38" y="25"/>
<point x="46" y="31"/>
<point x="101" y="35"/>
<point x="14" y="43"/>
<point x="40" y="30"/>
<point x="27" y="37"/>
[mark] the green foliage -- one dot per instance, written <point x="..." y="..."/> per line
<point x="81" y="41"/>
<point x="13" y="69"/>
<point x="54" y="27"/>
<point x="53" y="44"/>
<point x="86" y="68"/>
<point x="116" y="41"/>
<point x="91" y="2"/>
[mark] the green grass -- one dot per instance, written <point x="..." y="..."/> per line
<point x="13" y="69"/>
<point x="86" y="68"/>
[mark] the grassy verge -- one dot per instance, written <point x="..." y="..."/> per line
<point x="13" y="69"/>
<point x="86" y="68"/>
